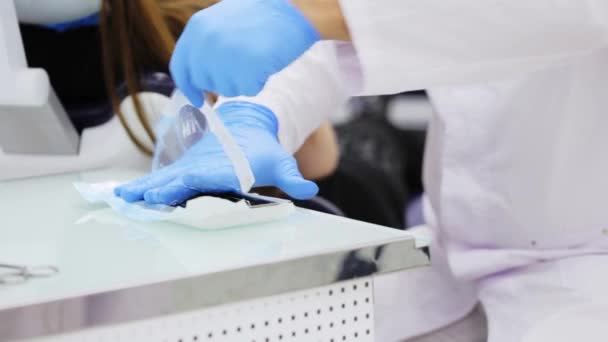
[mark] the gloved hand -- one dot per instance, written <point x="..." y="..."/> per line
<point x="233" y="47"/>
<point x="205" y="168"/>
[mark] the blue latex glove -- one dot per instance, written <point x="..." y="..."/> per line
<point x="233" y="47"/>
<point x="205" y="168"/>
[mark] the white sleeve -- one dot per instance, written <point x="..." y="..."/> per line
<point x="303" y="95"/>
<point x="406" y="45"/>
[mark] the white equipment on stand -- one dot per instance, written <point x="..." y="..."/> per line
<point x="36" y="135"/>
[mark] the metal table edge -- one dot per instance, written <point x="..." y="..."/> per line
<point x="209" y="290"/>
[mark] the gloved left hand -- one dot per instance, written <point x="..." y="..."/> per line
<point x="205" y="167"/>
<point x="233" y="47"/>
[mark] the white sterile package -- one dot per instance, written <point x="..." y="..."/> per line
<point x="204" y="212"/>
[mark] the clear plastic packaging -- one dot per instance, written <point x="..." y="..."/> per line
<point x="183" y="125"/>
<point x="177" y="133"/>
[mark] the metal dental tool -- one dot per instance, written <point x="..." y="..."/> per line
<point x="17" y="274"/>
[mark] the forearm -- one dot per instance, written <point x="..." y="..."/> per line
<point x="326" y="16"/>
<point x="318" y="157"/>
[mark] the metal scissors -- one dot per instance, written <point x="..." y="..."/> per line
<point x="17" y="274"/>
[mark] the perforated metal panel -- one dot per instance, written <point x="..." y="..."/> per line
<point x="342" y="312"/>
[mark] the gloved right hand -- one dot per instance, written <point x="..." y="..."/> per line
<point x="233" y="47"/>
<point x="205" y="167"/>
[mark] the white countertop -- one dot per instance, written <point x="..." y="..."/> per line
<point x="45" y="221"/>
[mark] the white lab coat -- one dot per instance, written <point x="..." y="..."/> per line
<point x="517" y="159"/>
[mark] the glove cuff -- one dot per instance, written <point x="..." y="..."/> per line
<point x="242" y="113"/>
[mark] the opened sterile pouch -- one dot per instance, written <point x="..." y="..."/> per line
<point x="182" y="126"/>
<point x="204" y="212"/>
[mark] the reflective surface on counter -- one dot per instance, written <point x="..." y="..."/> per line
<point x="115" y="270"/>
